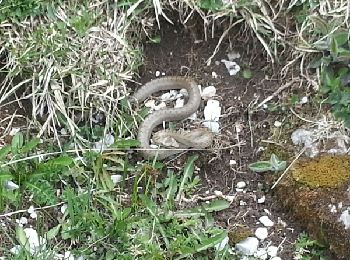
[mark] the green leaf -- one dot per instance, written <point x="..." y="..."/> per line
<point x="262" y="166"/>
<point x="17" y="142"/>
<point x="22" y="238"/>
<point x="52" y="233"/>
<point x="341" y="37"/>
<point x="4" y="151"/>
<point x="63" y="160"/>
<point x="126" y="143"/>
<point x="333" y="48"/>
<point x="188" y="171"/>
<point x="212" y="5"/>
<point x="155" y="39"/>
<point x="247" y="74"/>
<point x="216" y="205"/>
<point x="30" y="145"/>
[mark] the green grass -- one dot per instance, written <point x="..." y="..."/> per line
<point x="137" y="217"/>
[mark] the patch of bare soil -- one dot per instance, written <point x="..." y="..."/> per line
<point x="178" y="54"/>
<point x="13" y="115"/>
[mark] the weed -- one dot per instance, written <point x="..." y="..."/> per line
<point x="307" y="249"/>
<point x="274" y="164"/>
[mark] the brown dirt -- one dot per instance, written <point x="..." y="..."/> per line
<point x="177" y="54"/>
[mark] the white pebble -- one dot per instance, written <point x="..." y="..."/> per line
<point x="218" y="193"/>
<point x="241" y="185"/>
<point x="208" y="92"/>
<point x="261" y="254"/>
<point x="10" y="185"/>
<point x="212" y="125"/>
<point x="64" y="208"/>
<point x="157" y="73"/>
<point x="242" y="203"/>
<point x="179" y="103"/>
<point x="261" y="233"/>
<point x="277" y="123"/>
<point x="233" y="162"/>
<point x="214" y="75"/>
<point x="116" y="178"/>
<point x="276" y="258"/>
<point x="272" y="251"/>
<point x="266" y="221"/>
<point x="248" y="246"/>
<point x="304" y="100"/>
<point x="212" y="110"/>
<point x="261" y="200"/>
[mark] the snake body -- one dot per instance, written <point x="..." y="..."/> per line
<point x="167" y="114"/>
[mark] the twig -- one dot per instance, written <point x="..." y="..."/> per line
<point x="280" y="89"/>
<point x="287" y="169"/>
<point x="25" y="210"/>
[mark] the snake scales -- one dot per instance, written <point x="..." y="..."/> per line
<point x="197" y="138"/>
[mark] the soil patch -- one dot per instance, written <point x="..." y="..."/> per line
<point x="183" y="51"/>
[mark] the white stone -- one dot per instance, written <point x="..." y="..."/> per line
<point x="160" y="106"/>
<point x="241" y="185"/>
<point x="276" y="258"/>
<point x="212" y="110"/>
<point x="272" y="251"/>
<point x="302" y="136"/>
<point x="266" y="221"/>
<point x="212" y="125"/>
<point x="208" y="92"/>
<point x="64" y="131"/>
<point x="14" y="131"/>
<point x="233" y="55"/>
<point x="10" y="185"/>
<point x="232" y="67"/>
<point x="261" y="233"/>
<point x="15" y="250"/>
<point x="230" y="198"/>
<point x="150" y="103"/>
<point x="304" y="100"/>
<point x="214" y="75"/>
<point x="242" y="203"/>
<point x="233" y="162"/>
<point x="277" y="123"/>
<point x="116" y="178"/>
<point x="261" y="254"/>
<point x="345" y="218"/>
<point x="35" y="242"/>
<point x="64" y="208"/>
<point x="222" y="244"/>
<point x="157" y="73"/>
<point x="248" y="246"/>
<point x="218" y="193"/>
<point x="179" y="103"/>
<point x="261" y="200"/>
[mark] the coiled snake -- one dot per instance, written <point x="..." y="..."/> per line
<point x="197" y="138"/>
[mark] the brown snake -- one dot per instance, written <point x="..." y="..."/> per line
<point x="199" y="139"/>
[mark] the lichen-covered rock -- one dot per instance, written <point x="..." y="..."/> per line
<point x="317" y="193"/>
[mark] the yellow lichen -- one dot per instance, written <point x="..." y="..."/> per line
<point x="328" y="171"/>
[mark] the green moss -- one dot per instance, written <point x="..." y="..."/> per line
<point x="238" y="234"/>
<point x="280" y="151"/>
<point x="327" y="171"/>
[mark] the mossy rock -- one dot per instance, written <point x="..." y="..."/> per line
<point x="316" y="192"/>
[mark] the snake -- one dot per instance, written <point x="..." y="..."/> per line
<point x="197" y="139"/>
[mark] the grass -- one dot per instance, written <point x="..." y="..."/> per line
<point x="79" y="209"/>
<point x="74" y="65"/>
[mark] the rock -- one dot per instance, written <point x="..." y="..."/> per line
<point x="116" y="178"/>
<point x="266" y="221"/>
<point x="345" y="219"/>
<point x="241" y="185"/>
<point x="232" y="67"/>
<point x="309" y="188"/>
<point x="213" y="126"/>
<point x="272" y="251"/>
<point x="261" y="233"/>
<point x="212" y="111"/>
<point x="261" y="254"/>
<point x="10" y="185"/>
<point x="261" y="200"/>
<point x="208" y="92"/>
<point x="248" y="246"/>
<point x="276" y="258"/>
